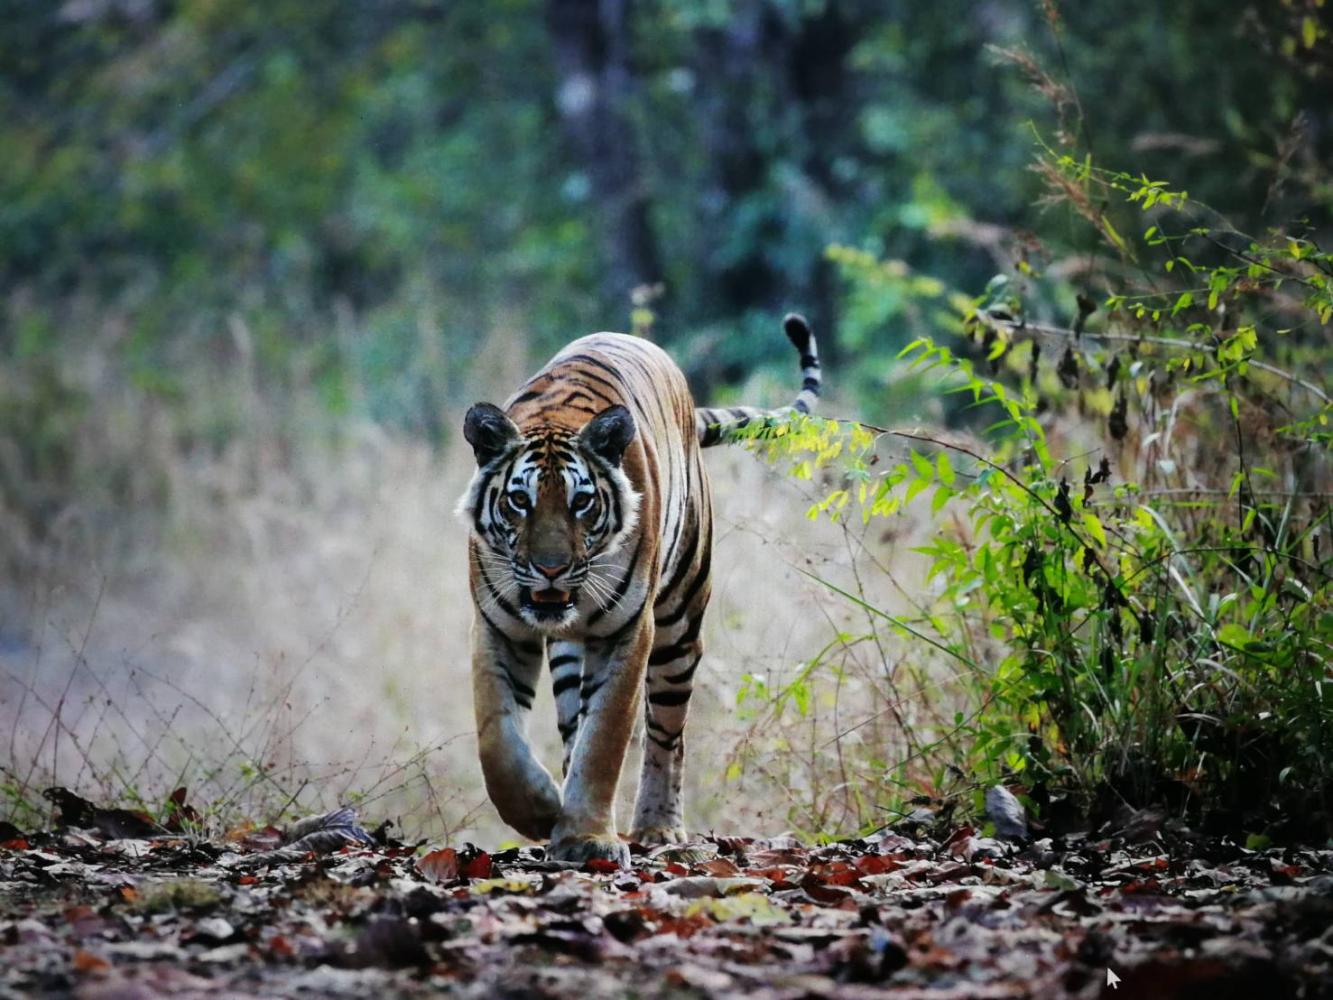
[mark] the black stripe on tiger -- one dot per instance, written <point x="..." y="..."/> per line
<point x="681" y="647"/>
<point x="565" y="684"/>
<point x="669" y="698"/>
<point x="700" y="578"/>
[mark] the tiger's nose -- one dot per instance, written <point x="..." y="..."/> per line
<point x="549" y="567"/>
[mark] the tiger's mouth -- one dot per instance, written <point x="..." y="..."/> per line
<point x="548" y="603"/>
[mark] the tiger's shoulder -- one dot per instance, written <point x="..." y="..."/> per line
<point x="626" y="354"/>
<point x="601" y="370"/>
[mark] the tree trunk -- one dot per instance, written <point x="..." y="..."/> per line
<point x="591" y="40"/>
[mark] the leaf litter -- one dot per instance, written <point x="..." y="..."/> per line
<point x="104" y="907"/>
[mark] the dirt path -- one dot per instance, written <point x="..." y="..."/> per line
<point x="94" y="914"/>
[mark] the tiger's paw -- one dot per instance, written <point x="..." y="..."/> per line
<point x="532" y="807"/>
<point x="656" y="836"/>
<point x="584" y="847"/>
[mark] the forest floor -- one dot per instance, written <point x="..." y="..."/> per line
<point x="112" y="906"/>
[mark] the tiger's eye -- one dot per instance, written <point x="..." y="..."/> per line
<point x="518" y="500"/>
<point x="581" y="503"/>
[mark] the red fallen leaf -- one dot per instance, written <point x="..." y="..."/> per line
<point x="479" y="866"/>
<point x="441" y="865"/>
<point x="676" y="868"/>
<point x="956" y="845"/>
<point x="604" y="866"/>
<point x="1141" y="885"/>
<point x="837" y="873"/>
<point x="959" y="836"/>
<point x="780" y="877"/>
<point x="877" y="864"/>
<point x="129" y="894"/>
<point x="818" y="890"/>
<point x="17" y="844"/>
<point x="684" y="927"/>
<point x="73" y="914"/>
<point x="247" y="880"/>
<point x="251" y="838"/>
<point x="279" y="945"/>
<point x="720" y="868"/>
<point x="86" y="961"/>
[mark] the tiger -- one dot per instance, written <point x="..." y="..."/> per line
<point x="589" y="549"/>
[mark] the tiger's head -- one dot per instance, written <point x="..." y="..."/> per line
<point x="548" y="507"/>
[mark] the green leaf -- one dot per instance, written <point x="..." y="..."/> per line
<point x="944" y="468"/>
<point x="922" y="466"/>
<point x="1112" y="234"/>
<point x="1093" y="524"/>
<point x="1058" y="880"/>
<point x="942" y="496"/>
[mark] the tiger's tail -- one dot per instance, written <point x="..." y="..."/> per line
<point x="715" y="424"/>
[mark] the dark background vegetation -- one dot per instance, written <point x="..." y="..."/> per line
<point x="332" y="172"/>
<point x="224" y="221"/>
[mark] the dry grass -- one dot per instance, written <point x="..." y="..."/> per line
<point x="297" y="635"/>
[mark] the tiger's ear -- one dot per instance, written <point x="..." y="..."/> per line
<point x="489" y="432"/>
<point x="608" y="434"/>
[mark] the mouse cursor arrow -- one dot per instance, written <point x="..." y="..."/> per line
<point x="1112" y="980"/>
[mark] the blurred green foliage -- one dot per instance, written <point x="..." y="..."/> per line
<point x="377" y="190"/>
<point x="1129" y="573"/>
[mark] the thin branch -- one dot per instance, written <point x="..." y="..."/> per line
<point x="1047" y="330"/>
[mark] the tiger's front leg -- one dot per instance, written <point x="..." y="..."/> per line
<point x="504" y="674"/>
<point x="611" y="694"/>
<point x="658" y="814"/>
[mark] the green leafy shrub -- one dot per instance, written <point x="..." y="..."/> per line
<point x="1132" y="587"/>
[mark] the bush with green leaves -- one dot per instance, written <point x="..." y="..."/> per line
<point x="1129" y="580"/>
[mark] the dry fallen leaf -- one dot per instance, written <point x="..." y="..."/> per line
<point x="439" y="866"/>
<point x="87" y="961"/>
<point x="866" y="917"/>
